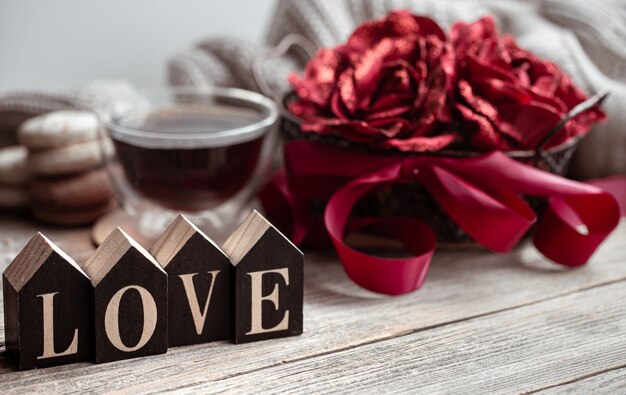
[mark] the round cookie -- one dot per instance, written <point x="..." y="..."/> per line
<point x="68" y="160"/>
<point x="13" y="197"/>
<point x="58" y="129"/>
<point x="72" y="217"/>
<point x="80" y="190"/>
<point x="13" y="165"/>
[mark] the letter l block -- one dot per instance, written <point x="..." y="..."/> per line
<point x="47" y="307"/>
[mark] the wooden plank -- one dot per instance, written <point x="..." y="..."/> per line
<point x="609" y="382"/>
<point x="339" y="315"/>
<point x="514" y="351"/>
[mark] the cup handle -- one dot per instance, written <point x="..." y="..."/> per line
<point x="292" y="40"/>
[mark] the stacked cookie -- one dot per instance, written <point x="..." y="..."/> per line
<point x="14" y="177"/>
<point x="69" y="185"/>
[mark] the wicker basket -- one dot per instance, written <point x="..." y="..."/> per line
<point x="413" y="199"/>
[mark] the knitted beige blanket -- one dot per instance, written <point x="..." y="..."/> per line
<point x="95" y="96"/>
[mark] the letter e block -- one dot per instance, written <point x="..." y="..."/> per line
<point x="268" y="281"/>
<point x="199" y="285"/>
<point x="47" y="307"/>
<point x="130" y="300"/>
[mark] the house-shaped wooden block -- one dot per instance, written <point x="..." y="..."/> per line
<point x="199" y="285"/>
<point x="47" y="307"/>
<point x="268" y="281"/>
<point x="130" y="300"/>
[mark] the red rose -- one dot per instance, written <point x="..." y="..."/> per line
<point x="385" y="87"/>
<point x="508" y="98"/>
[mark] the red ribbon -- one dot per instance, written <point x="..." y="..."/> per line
<point x="481" y="194"/>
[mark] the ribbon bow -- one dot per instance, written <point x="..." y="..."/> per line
<point x="481" y="194"/>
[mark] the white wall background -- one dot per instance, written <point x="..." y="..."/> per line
<point x="51" y="42"/>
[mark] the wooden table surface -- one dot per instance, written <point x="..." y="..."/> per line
<point x="482" y="323"/>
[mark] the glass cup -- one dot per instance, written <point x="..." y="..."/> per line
<point x="201" y="152"/>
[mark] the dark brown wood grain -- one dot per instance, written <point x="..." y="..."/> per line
<point x="131" y="270"/>
<point x="269" y="281"/>
<point x="201" y="264"/>
<point x="62" y="292"/>
<point x="130" y="300"/>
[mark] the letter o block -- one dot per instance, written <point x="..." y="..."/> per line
<point x="130" y="300"/>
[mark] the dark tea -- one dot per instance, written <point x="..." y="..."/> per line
<point x="189" y="174"/>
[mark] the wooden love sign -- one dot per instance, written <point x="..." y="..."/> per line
<point x="126" y="302"/>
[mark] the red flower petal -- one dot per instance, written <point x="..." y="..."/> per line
<point x="347" y="93"/>
<point x="482" y="133"/>
<point x="498" y="91"/>
<point x="532" y="121"/>
<point x="422" y="144"/>
<point x="320" y="76"/>
<point x="396" y="24"/>
<point x="487" y="110"/>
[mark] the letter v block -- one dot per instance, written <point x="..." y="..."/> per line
<point x="47" y="307"/>
<point x="268" y="281"/>
<point x="130" y="300"/>
<point x="199" y="285"/>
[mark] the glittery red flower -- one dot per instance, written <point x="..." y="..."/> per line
<point x="508" y="98"/>
<point x="385" y="87"/>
